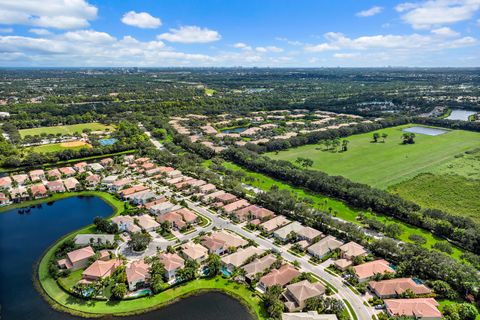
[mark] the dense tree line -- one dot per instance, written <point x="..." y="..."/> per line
<point x="459" y="229"/>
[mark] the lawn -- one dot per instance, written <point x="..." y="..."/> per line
<point x="385" y="164"/>
<point x="451" y="193"/>
<point x="66" y="129"/>
<point x="338" y="208"/>
<point x="55" y="147"/>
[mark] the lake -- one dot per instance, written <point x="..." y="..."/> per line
<point x="425" y="130"/>
<point x="458" y="114"/>
<point x="24" y="238"/>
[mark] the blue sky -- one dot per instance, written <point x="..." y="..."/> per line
<point x="275" y="33"/>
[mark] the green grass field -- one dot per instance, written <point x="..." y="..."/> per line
<point x="55" y="147"/>
<point x="385" y="164"/>
<point x="451" y="193"/>
<point x="67" y="129"/>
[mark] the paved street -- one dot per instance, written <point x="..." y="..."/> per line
<point x="356" y="301"/>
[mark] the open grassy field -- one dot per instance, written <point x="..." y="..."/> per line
<point x="451" y="193"/>
<point x="385" y="164"/>
<point x="66" y="129"/>
<point x="55" y="147"/>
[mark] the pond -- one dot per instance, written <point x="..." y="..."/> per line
<point x="235" y="130"/>
<point x="107" y="142"/>
<point x="459" y="114"/>
<point x="425" y="130"/>
<point x="25" y="236"/>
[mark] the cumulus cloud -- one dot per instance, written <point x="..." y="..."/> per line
<point x="269" y="49"/>
<point x="141" y="20"/>
<point x="338" y="41"/>
<point x="437" y="12"/>
<point x="243" y="46"/>
<point x="445" y="31"/>
<point x="370" y="12"/>
<point x="58" y="14"/>
<point x="190" y="34"/>
<point x="40" y="32"/>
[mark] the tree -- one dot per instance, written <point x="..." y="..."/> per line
<point x="408" y="138"/>
<point x="376" y="136"/>
<point x="384" y="137"/>
<point x="214" y="264"/>
<point x="157" y="273"/>
<point x="345" y="145"/>
<point x="467" y="311"/>
<point x="189" y="271"/>
<point x="139" y="241"/>
<point x="272" y="301"/>
<point x="119" y="291"/>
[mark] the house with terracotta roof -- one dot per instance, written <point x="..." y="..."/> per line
<point x="71" y="184"/>
<point x="119" y="184"/>
<point x="152" y="203"/>
<point x="207" y="188"/>
<point x="225" y="198"/>
<point x="368" y="270"/>
<point x="142" y="160"/>
<point x="172" y="262"/>
<point x="55" y="186"/>
<point x="422" y="308"/>
<point x="259" y="265"/>
<point x="280" y="277"/>
<point x="137" y="274"/>
<point x="174" y="174"/>
<point x="77" y="259"/>
<point x="96" y="167"/>
<point x="80" y="167"/>
<point x="220" y="241"/>
<point x="147" y="222"/>
<point x="19" y="193"/>
<point x="67" y="171"/>
<point x="296" y="294"/>
<point x="20" y="179"/>
<point x="231" y="207"/>
<point x="93" y="180"/>
<point x="36" y="175"/>
<point x="351" y="250"/>
<point x="274" y="223"/>
<point x="194" y="251"/>
<point x="252" y="212"/>
<point x="309" y="315"/>
<point x="5" y="182"/>
<point x="393" y="288"/>
<point x="101" y="269"/>
<point x="211" y="196"/>
<point x="107" y="162"/>
<point x="54" y="174"/>
<point x="141" y="197"/>
<point x="308" y="233"/>
<point x="187" y="215"/>
<point x="4" y="200"/>
<point x="175" y="218"/>
<point x="324" y="246"/>
<point x="134" y="189"/>
<point x="240" y="257"/>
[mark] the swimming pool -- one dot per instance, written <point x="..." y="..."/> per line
<point x="225" y="272"/>
<point x="140" y="293"/>
<point x="425" y="130"/>
<point x="107" y="142"/>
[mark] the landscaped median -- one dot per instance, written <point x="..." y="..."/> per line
<point x="61" y="300"/>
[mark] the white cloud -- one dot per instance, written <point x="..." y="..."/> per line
<point x="268" y="49"/>
<point x="141" y="20"/>
<point x="407" y="43"/>
<point x="433" y="13"/>
<point x="290" y="42"/>
<point x="445" y="31"/>
<point x="345" y="55"/>
<point x="89" y="36"/>
<point x="40" y="32"/>
<point x="321" y="47"/>
<point x="6" y="30"/>
<point x="243" y="46"/>
<point x="60" y="14"/>
<point x="370" y="12"/>
<point x="190" y="34"/>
